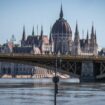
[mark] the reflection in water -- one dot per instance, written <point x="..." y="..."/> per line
<point x="40" y="92"/>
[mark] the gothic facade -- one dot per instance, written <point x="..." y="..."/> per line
<point x="63" y="43"/>
<point x="39" y="43"/>
<point x="60" y="41"/>
<point x="86" y="46"/>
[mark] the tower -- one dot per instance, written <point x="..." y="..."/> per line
<point x="76" y="44"/>
<point x="33" y="31"/>
<point x="51" y="42"/>
<point x="93" y="42"/>
<point x="87" y="44"/>
<point x="41" y="40"/>
<point x="23" y="37"/>
<point x="62" y="35"/>
<point x="95" y="37"/>
<point x="33" y="38"/>
<point x="41" y="33"/>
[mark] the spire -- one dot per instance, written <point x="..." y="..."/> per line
<point x="41" y="30"/>
<point x="50" y="38"/>
<point x="87" y="39"/>
<point x="95" y="37"/>
<point x="33" y="31"/>
<point x="24" y="35"/>
<point x="95" y="34"/>
<point x="87" y="35"/>
<point x="37" y="29"/>
<point x="76" y="38"/>
<point x="41" y="38"/>
<point x="76" y="43"/>
<point x="61" y="12"/>
<point x="37" y="32"/>
<point x="41" y="34"/>
<point x="76" y="29"/>
<point x="92" y="30"/>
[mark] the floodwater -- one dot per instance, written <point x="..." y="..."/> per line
<point x="41" y="92"/>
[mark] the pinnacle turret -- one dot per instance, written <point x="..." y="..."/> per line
<point x="95" y="37"/>
<point x="87" y="39"/>
<point x="33" y="31"/>
<point x="76" y="30"/>
<point x="41" y="30"/>
<point x="92" y="31"/>
<point x="24" y="35"/>
<point x="41" y="33"/>
<point x="87" y="35"/>
<point x="76" y="38"/>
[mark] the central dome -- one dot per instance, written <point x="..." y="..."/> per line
<point x="61" y="25"/>
<point x="61" y="35"/>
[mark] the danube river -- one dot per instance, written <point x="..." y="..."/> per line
<point x="41" y="92"/>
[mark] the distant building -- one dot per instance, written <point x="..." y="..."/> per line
<point x="39" y="42"/>
<point x="85" y="46"/>
<point x="59" y="41"/>
<point x="14" y="68"/>
<point x="33" y="44"/>
<point x="102" y="52"/>
<point x="62" y="39"/>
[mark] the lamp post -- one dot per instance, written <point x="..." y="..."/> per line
<point x="55" y="80"/>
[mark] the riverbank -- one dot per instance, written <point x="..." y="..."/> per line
<point x="16" y="76"/>
<point x="24" y="76"/>
<point x="38" y="76"/>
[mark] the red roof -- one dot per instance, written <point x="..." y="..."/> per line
<point x="45" y="39"/>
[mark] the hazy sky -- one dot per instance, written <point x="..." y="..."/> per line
<point x="16" y="13"/>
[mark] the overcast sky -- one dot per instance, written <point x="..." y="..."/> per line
<point x="16" y="13"/>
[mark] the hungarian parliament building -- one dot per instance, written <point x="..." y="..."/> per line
<point x="60" y="41"/>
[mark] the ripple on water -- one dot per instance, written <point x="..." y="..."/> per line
<point x="41" y="92"/>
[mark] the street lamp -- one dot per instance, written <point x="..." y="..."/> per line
<point x="55" y="79"/>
